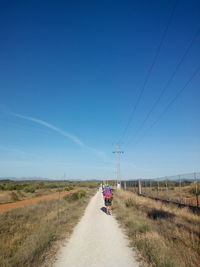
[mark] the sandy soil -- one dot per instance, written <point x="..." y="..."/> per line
<point x="97" y="241"/>
<point x="7" y="206"/>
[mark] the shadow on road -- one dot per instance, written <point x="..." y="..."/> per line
<point x="103" y="209"/>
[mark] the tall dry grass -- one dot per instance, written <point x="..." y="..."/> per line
<point x="28" y="233"/>
<point x="164" y="235"/>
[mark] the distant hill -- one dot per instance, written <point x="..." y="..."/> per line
<point x="34" y="178"/>
<point x="5" y="180"/>
<point x="10" y="179"/>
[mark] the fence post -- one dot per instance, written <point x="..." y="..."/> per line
<point x="58" y="206"/>
<point x="139" y="187"/>
<point x="196" y="189"/>
<point x="166" y="189"/>
<point x="150" y="192"/>
<point x="124" y="185"/>
<point x="179" y="188"/>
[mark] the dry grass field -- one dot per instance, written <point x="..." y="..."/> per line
<point x="11" y="191"/>
<point x="164" y="235"/>
<point x="28" y="201"/>
<point x="29" y="235"/>
<point x="185" y="193"/>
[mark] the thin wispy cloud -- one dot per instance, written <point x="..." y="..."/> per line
<point x="52" y="127"/>
<point x="68" y="135"/>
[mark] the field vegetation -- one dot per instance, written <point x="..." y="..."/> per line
<point x="164" y="235"/>
<point x="184" y="192"/>
<point x="29" y="236"/>
<point x="12" y="191"/>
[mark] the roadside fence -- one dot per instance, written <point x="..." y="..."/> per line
<point x="183" y="189"/>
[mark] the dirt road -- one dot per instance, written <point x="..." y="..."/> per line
<point x="97" y="241"/>
<point x="7" y="206"/>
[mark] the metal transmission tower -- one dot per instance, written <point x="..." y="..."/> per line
<point x="118" y="152"/>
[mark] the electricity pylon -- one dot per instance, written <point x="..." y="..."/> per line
<point x="118" y="153"/>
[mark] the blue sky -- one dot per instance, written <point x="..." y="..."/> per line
<point x="71" y="74"/>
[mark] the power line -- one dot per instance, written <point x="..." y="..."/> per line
<point x="195" y="73"/>
<point x="149" y="70"/>
<point x="169" y="80"/>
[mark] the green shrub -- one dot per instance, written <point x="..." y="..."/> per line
<point x="14" y="196"/>
<point x="81" y="194"/>
<point x="75" y="196"/>
<point x="92" y="186"/>
<point x="130" y="203"/>
<point x="68" y="188"/>
<point x="29" y="190"/>
<point x="143" y="228"/>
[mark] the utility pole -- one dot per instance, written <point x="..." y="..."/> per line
<point x="118" y="153"/>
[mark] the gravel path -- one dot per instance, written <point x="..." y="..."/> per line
<point x="97" y="241"/>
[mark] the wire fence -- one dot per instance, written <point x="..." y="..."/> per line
<point x="183" y="189"/>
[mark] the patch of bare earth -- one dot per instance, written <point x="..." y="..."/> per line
<point x="7" y="206"/>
